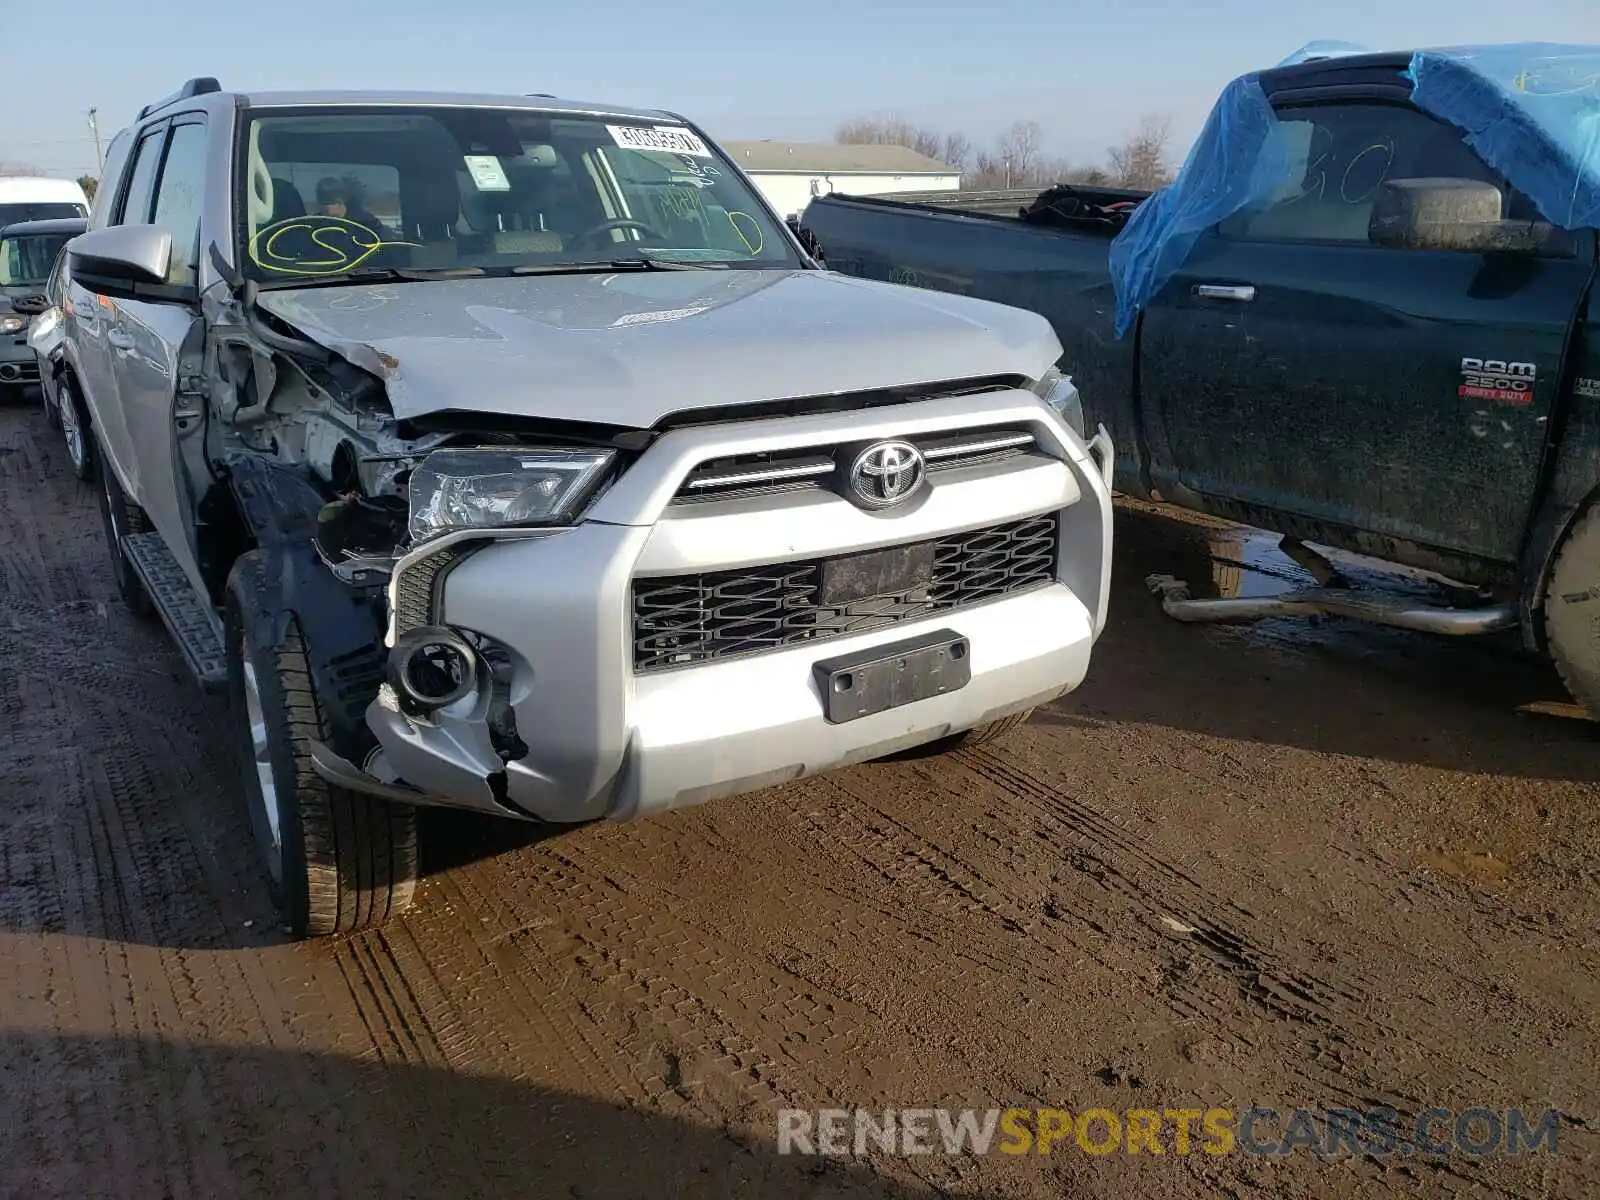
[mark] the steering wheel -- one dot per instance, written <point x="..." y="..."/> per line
<point x="620" y="223"/>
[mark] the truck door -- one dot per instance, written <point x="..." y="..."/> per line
<point x="151" y="334"/>
<point x="1293" y="367"/>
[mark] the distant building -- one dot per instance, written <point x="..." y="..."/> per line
<point x="789" y="174"/>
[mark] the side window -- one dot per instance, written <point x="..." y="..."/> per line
<point x="179" y="198"/>
<point x="135" y="207"/>
<point x="1340" y="156"/>
<point x="53" y="286"/>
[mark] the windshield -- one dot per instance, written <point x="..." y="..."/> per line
<point x="26" y="261"/>
<point x="328" y="192"/>
<point x="11" y="214"/>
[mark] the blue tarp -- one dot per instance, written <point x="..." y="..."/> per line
<point x="1531" y="111"/>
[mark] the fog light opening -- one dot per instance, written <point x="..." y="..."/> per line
<point x="432" y="668"/>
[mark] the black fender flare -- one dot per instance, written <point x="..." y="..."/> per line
<point x="343" y="625"/>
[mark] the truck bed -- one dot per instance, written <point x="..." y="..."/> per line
<point x="976" y="244"/>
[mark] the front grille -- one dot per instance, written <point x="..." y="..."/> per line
<point x="819" y="466"/>
<point x="686" y="619"/>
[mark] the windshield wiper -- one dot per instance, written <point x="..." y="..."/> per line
<point x="635" y="263"/>
<point x="374" y="275"/>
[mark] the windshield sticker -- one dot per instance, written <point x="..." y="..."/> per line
<point x="670" y="139"/>
<point x="315" y="245"/>
<point x="487" y="173"/>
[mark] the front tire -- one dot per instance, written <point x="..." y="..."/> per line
<point x="1572" y="610"/>
<point x="984" y="734"/>
<point x="121" y="517"/>
<point x="981" y="736"/>
<point x="67" y="414"/>
<point x="52" y="414"/>
<point x="337" y="861"/>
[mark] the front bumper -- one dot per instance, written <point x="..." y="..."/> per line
<point x="605" y="740"/>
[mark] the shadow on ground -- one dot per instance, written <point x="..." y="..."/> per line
<point x="175" y="1119"/>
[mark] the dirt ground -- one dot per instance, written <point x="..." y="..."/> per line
<point x="1287" y="866"/>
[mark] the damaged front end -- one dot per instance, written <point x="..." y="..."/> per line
<point x="358" y="517"/>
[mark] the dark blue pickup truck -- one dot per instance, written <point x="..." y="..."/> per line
<point x="1384" y="347"/>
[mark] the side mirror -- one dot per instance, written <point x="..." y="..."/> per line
<point x="1453" y="214"/>
<point x="124" y="261"/>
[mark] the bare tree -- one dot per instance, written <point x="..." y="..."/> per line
<point x="1141" y="161"/>
<point x="956" y="150"/>
<point x="1018" y="160"/>
<point x="949" y="148"/>
<point x="89" y="184"/>
<point x="1018" y="152"/>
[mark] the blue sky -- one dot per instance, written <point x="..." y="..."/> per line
<point x="1086" y="71"/>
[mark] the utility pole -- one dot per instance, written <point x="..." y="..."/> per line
<point x="94" y="128"/>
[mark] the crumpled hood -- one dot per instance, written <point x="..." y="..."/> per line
<point x="629" y="348"/>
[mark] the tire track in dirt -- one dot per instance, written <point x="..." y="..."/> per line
<point x="146" y="860"/>
<point x="1343" y="1036"/>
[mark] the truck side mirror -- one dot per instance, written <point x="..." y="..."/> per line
<point x="123" y="261"/>
<point x="1452" y="214"/>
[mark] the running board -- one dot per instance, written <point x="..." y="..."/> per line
<point x="184" y="612"/>
<point x="1332" y="602"/>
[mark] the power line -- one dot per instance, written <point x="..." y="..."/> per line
<point x="53" y="142"/>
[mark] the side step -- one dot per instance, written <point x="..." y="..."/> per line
<point x="1334" y="602"/>
<point x="184" y="612"/>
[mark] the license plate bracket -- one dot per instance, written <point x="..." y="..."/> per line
<point x="888" y="572"/>
<point x="879" y="678"/>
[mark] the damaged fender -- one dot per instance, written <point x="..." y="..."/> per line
<point x="342" y="623"/>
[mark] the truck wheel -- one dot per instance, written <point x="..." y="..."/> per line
<point x="67" y="415"/>
<point x="122" y="517"/>
<point x="1572" y="610"/>
<point x="52" y="414"/>
<point x="992" y="732"/>
<point x="338" y="861"/>
<point x="982" y="735"/>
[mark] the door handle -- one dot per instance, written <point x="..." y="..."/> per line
<point x="1239" y="293"/>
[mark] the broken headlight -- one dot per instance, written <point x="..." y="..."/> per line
<point x="495" y="488"/>
<point x="1060" y="393"/>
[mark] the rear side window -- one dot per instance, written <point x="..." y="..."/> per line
<point x="1341" y="155"/>
<point x="179" y="197"/>
<point x="135" y="209"/>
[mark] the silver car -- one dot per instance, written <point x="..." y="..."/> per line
<point x="511" y="454"/>
<point x="41" y="244"/>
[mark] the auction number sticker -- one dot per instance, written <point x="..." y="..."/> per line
<point x="671" y="139"/>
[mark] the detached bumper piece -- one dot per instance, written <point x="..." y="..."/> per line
<point x="1372" y="607"/>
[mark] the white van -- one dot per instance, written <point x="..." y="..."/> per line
<point x="36" y="198"/>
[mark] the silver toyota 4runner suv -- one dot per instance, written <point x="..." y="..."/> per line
<point x="511" y="454"/>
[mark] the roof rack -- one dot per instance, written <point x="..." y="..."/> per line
<point x="202" y="85"/>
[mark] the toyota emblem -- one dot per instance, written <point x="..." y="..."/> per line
<point x="885" y="473"/>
